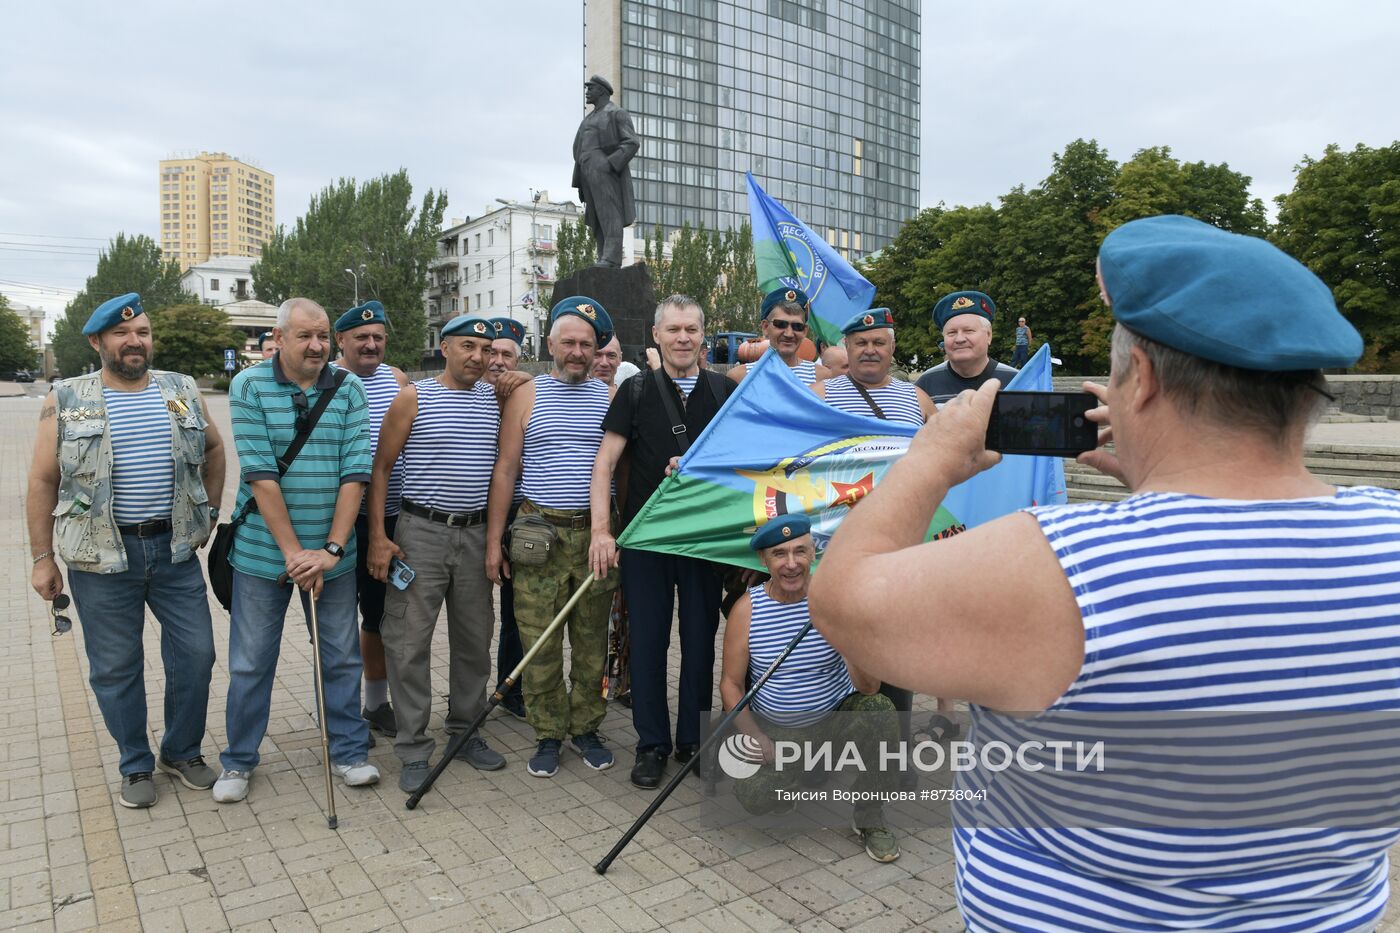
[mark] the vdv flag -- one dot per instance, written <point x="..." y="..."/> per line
<point x="787" y="254"/>
<point x="775" y="448"/>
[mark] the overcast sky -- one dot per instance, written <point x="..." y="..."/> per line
<point x="482" y="99"/>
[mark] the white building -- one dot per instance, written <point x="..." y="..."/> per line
<point x="221" y="280"/>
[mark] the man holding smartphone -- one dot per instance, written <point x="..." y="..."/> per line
<point x="965" y="318"/>
<point x="445" y="430"/>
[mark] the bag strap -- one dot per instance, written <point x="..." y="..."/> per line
<point x="678" y="428"/>
<point x="869" y="400"/>
<point x="284" y="462"/>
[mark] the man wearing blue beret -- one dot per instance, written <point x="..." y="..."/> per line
<point x="127" y="476"/>
<point x="965" y="319"/>
<point x="783" y="319"/>
<point x="362" y="339"/>
<point x="551" y="428"/>
<point x="1232" y="579"/>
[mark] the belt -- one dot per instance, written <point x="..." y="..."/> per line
<point x="147" y="529"/>
<point x="450" y="519"/>
<point x="560" y="518"/>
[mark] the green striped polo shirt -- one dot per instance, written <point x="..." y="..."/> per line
<point x="263" y="404"/>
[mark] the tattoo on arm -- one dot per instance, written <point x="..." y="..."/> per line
<point x="48" y="411"/>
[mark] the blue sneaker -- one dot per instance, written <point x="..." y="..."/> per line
<point x="546" y="760"/>
<point x="595" y="753"/>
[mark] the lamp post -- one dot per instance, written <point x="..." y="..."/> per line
<point x="357" y="284"/>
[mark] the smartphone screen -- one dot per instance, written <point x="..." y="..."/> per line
<point x="400" y="574"/>
<point x="1050" y="424"/>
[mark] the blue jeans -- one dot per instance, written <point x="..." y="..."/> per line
<point x="255" y="640"/>
<point x="112" y="611"/>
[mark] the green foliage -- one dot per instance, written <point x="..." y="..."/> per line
<point x="1034" y="252"/>
<point x="191" y="338"/>
<point x="130" y="264"/>
<point x="374" y="229"/>
<point x="16" y="352"/>
<point x="577" y="250"/>
<point x="712" y="266"/>
<point x="1342" y="220"/>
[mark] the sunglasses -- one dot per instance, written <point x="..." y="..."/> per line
<point x="797" y="326"/>
<point x="303" y="408"/>
<point x="62" y="625"/>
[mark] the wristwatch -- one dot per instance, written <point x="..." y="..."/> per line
<point x="213" y="513"/>
<point x="334" y="549"/>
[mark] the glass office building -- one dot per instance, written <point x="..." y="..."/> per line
<point x="819" y="99"/>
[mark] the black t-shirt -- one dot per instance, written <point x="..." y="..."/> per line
<point x="942" y="383"/>
<point x="647" y="427"/>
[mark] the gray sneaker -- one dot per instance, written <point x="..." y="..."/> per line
<point x="192" y="772"/>
<point x="412" y="776"/>
<point x="382" y="719"/>
<point x="138" y="791"/>
<point x="480" y="755"/>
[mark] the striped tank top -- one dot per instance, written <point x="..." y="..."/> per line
<point x="143" y="467"/>
<point x="1194" y="604"/>
<point x="561" y="442"/>
<point x="805" y="371"/>
<point x="451" y="449"/>
<point x="898" y="400"/>
<point x="381" y="388"/>
<point x="811" y="682"/>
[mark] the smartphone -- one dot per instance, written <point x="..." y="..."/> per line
<point x="400" y="574"/>
<point x="1043" y="424"/>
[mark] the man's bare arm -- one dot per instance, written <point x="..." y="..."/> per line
<point x="215" y="461"/>
<point x="40" y="500"/>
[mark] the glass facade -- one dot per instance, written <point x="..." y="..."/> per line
<point x="818" y="98"/>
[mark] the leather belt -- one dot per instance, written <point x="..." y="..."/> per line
<point x="560" y="518"/>
<point x="148" y="529"/>
<point x="450" y="519"/>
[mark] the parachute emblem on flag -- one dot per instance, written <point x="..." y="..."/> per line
<point x="811" y="270"/>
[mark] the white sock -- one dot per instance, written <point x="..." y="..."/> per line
<point x="376" y="693"/>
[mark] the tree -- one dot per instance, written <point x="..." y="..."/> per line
<point x="715" y="267"/>
<point x="130" y="264"/>
<point x="16" y="351"/>
<point x="374" y="229"/>
<point x="736" y="299"/>
<point x="191" y="338"/>
<point x="577" y="249"/>
<point x="1342" y="220"/>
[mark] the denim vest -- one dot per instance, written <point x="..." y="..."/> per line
<point x="85" y="532"/>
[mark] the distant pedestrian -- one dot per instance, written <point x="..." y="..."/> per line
<point x="1023" y="344"/>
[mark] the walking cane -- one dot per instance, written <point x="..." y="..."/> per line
<point x="320" y="706"/>
<point x="602" y="867"/>
<point x="460" y="738"/>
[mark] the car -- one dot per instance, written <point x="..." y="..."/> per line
<point x="21" y="375"/>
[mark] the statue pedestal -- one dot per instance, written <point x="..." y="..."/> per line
<point x="626" y="294"/>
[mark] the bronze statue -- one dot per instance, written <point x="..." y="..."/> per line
<point x="604" y="145"/>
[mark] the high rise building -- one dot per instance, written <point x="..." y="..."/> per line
<point x="818" y="98"/>
<point x="212" y="204"/>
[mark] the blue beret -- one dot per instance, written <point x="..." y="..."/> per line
<point x="785" y="296"/>
<point x="874" y="319"/>
<point x="950" y="306"/>
<point x="371" y="312"/>
<point x="591" y="311"/>
<point x="470" y="325"/>
<point x="508" y="328"/>
<point x="112" y="312"/>
<point x="778" y="530"/>
<point x="1232" y="299"/>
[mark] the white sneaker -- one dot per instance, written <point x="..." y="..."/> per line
<point x="232" y="786"/>
<point x="359" y="774"/>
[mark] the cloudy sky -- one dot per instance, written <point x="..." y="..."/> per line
<point x="482" y="99"/>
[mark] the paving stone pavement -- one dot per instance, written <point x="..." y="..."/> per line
<point x="484" y="852"/>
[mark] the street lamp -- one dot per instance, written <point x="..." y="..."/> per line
<point x="357" y="284"/>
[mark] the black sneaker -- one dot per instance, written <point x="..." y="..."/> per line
<point x="381" y="718"/>
<point x="514" y="704"/>
<point x="686" y="752"/>
<point x="650" y="766"/>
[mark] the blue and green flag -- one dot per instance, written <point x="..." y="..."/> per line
<point x="775" y="448"/>
<point x="787" y="254"/>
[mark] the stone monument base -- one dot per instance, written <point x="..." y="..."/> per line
<point x="628" y="297"/>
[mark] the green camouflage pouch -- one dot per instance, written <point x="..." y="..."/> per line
<point x="531" y="539"/>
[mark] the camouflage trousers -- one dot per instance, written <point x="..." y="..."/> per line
<point x="554" y="709"/>
<point x="760" y="793"/>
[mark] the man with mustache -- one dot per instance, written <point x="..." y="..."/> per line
<point x="783" y="319"/>
<point x="965" y="318"/>
<point x="551" y="428"/>
<point x="127" y="475"/>
<point x="300" y="524"/>
<point x="360" y="335"/>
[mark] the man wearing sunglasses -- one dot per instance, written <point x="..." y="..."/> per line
<point x="784" y="316"/>
<point x="127" y="475"/>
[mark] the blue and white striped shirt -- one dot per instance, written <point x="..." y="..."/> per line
<point x="686" y="384"/>
<point x="1193" y="604"/>
<point x="805" y="371"/>
<point x="451" y="448"/>
<point x="898" y="400"/>
<point x="143" y="466"/>
<point x="381" y="388"/>
<point x="811" y="682"/>
<point x="561" y="442"/>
